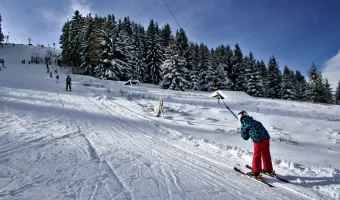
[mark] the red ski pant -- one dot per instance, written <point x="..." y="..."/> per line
<point x="261" y="150"/>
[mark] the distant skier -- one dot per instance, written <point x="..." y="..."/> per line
<point x="57" y="78"/>
<point x="51" y="74"/>
<point x="253" y="129"/>
<point x="68" y="83"/>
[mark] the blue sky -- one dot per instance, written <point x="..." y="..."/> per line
<point x="296" y="32"/>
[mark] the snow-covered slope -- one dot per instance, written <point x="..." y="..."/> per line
<point x="102" y="141"/>
<point x="15" y="54"/>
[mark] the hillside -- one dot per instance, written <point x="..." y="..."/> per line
<point x="103" y="141"/>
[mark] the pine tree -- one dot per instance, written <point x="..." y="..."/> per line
<point x="123" y="54"/>
<point x="300" y="86"/>
<point x="94" y="43"/>
<point x="137" y="61"/>
<point x="86" y="63"/>
<point x="250" y="75"/>
<point x="183" y="46"/>
<point x="228" y="63"/>
<point x="327" y="92"/>
<point x="76" y="25"/>
<point x="65" y="43"/>
<point x="315" y="85"/>
<point x="337" y="94"/>
<point x="220" y="52"/>
<point x="205" y="71"/>
<point x="174" y="66"/>
<point x="287" y="90"/>
<point x="166" y="36"/>
<point x="273" y="89"/>
<point x="154" y="57"/>
<point x="193" y="61"/>
<point x="111" y="64"/>
<point x="261" y="73"/>
<point x="219" y="79"/>
<point x="126" y="26"/>
<point x="1" y="34"/>
<point x="238" y="82"/>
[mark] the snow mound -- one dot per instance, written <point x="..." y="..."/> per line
<point x="236" y="95"/>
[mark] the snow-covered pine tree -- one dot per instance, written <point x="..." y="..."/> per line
<point x="228" y="67"/>
<point x="191" y="62"/>
<point x="137" y="61"/>
<point x="127" y="26"/>
<point x="205" y="71"/>
<point x="174" y="67"/>
<point x="300" y="86"/>
<point x="166" y="36"/>
<point x="261" y="72"/>
<point x="337" y="94"/>
<point x="123" y="55"/>
<point x="219" y="62"/>
<point x="237" y="80"/>
<point x="1" y="34"/>
<point x="250" y="75"/>
<point x="86" y="67"/>
<point x="111" y="65"/>
<point x="327" y="96"/>
<point x="154" y="55"/>
<point x="214" y="66"/>
<point x="220" y="52"/>
<point x="94" y="43"/>
<point x="65" y="43"/>
<point x="219" y="79"/>
<point x="76" y="27"/>
<point x="183" y="45"/>
<point x="2" y="37"/>
<point x="287" y="88"/>
<point x="195" y="84"/>
<point x="315" y="85"/>
<point x="263" y="69"/>
<point x="273" y="89"/>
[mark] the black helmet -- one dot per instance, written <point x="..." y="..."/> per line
<point x="241" y="114"/>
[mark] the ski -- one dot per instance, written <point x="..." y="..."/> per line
<point x="238" y="170"/>
<point x="278" y="178"/>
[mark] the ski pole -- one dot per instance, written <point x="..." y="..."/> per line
<point x="219" y="95"/>
<point x="230" y="110"/>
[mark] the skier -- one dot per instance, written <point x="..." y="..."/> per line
<point x="253" y="129"/>
<point x="50" y="74"/>
<point x="68" y="82"/>
<point x="57" y="78"/>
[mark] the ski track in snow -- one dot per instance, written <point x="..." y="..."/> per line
<point x="101" y="150"/>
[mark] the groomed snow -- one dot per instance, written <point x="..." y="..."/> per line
<point x="102" y="141"/>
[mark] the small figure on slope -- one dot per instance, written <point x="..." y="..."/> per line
<point x="253" y="129"/>
<point x="68" y="82"/>
<point x="57" y="78"/>
<point x="50" y="74"/>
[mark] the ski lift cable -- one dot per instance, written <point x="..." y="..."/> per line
<point x="153" y="5"/>
<point x="172" y="14"/>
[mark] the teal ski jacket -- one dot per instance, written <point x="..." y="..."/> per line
<point x="253" y="129"/>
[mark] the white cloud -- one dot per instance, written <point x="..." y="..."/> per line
<point x="83" y="6"/>
<point x="61" y="16"/>
<point x="332" y="70"/>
